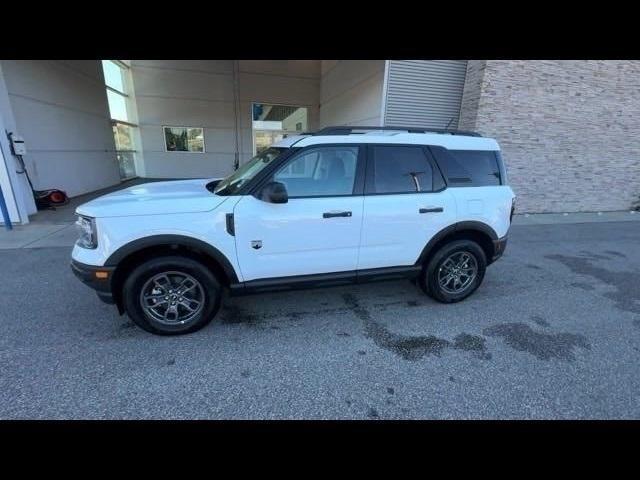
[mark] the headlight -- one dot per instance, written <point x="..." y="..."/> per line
<point x="87" y="237"/>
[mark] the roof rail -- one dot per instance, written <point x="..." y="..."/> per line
<point x="347" y="130"/>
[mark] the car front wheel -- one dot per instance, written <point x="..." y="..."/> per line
<point x="171" y="295"/>
<point x="455" y="271"/>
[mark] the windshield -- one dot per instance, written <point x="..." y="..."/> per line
<point x="246" y="172"/>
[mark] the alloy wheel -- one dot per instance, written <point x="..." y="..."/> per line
<point x="172" y="298"/>
<point x="457" y="272"/>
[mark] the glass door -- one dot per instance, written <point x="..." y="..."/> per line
<point x="271" y="123"/>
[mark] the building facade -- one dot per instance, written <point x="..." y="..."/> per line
<point x="568" y="129"/>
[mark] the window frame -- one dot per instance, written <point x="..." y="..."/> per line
<point x="370" y="187"/>
<point x="164" y="139"/>
<point x="358" y="182"/>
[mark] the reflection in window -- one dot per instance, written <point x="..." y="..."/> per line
<point x="184" y="139"/>
<point x="273" y="122"/>
<point x="123" y="135"/>
<point x="113" y="76"/>
<point x="117" y="106"/>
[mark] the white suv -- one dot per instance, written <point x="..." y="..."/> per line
<point x="342" y="205"/>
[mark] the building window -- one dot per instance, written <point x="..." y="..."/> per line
<point x="121" y="110"/>
<point x="272" y="123"/>
<point x="184" y="139"/>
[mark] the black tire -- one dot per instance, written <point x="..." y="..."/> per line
<point x="208" y="299"/>
<point x="429" y="279"/>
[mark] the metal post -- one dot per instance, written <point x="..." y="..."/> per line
<point x="5" y="212"/>
<point x="236" y="110"/>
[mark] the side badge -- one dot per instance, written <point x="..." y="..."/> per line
<point x="256" y="244"/>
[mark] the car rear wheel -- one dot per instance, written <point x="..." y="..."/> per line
<point x="454" y="272"/>
<point x="171" y="295"/>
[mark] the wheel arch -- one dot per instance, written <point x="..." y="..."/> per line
<point x="127" y="257"/>
<point x="479" y="232"/>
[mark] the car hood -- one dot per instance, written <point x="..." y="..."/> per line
<point x="177" y="196"/>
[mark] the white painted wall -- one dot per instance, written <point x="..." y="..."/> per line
<point x="15" y="189"/>
<point x="200" y="93"/>
<point x="60" y="108"/>
<point x="351" y="92"/>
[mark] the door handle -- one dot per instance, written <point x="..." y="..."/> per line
<point x="431" y="210"/>
<point x="336" y="214"/>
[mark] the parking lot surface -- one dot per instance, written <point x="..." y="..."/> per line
<point x="554" y="332"/>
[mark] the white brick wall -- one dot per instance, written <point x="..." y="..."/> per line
<point x="569" y="130"/>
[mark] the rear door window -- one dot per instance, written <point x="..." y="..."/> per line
<point x="400" y="169"/>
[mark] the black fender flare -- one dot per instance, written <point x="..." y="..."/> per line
<point x="168" y="240"/>
<point x="456" y="227"/>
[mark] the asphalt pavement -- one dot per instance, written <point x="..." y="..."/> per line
<point x="554" y="332"/>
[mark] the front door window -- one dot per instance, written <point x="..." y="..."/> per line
<point x="323" y="171"/>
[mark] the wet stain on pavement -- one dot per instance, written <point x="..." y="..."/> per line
<point x="472" y="343"/>
<point x="594" y="256"/>
<point x="539" y="320"/>
<point x="584" y="286"/>
<point x="373" y="413"/>
<point x="412" y="347"/>
<point x="627" y="294"/>
<point x="171" y="362"/>
<point x="233" y="315"/>
<point x="544" y="346"/>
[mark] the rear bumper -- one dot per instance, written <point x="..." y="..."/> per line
<point x="499" y="247"/>
<point x="87" y="274"/>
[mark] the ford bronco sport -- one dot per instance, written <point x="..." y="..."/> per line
<point x="338" y="206"/>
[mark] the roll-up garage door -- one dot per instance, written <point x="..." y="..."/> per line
<point x="424" y="93"/>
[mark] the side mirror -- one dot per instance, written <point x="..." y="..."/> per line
<point x="274" y="192"/>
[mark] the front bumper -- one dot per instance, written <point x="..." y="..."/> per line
<point x="98" y="278"/>
<point x="499" y="247"/>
